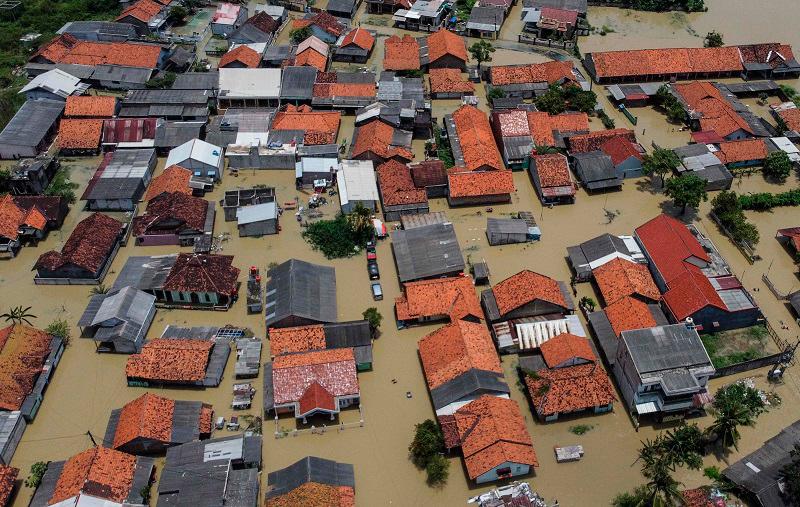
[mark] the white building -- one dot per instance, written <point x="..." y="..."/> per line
<point x="249" y="88"/>
<point x="356" y="182"/>
<point x="204" y="159"/>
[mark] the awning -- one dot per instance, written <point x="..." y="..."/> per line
<point x="646" y="408"/>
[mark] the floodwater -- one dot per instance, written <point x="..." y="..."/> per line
<point x="87" y="386"/>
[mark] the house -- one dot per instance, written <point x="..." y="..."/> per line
<point x="477" y="188"/>
<point x="313" y="53"/>
<point x="533" y="79"/>
<point x="311" y="478"/>
<point x="379" y="142"/>
<point x="626" y="314"/>
<point x="409" y="222"/>
<point x="259" y="28"/>
<point x="567" y="378"/>
<point x="769" y="60"/>
<point x="431" y="175"/>
<point x="98" y="474"/>
<point x="355" y="46"/>
<point x="699" y="160"/>
<point x="316" y="171"/>
<point x="138" y="133"/>
<point x="694" y="279"/>
<point x="387" y="6"/>
<point x="12" y="427"/>
<point x="579" y="6"/>
<point x="28" y="219"/>
<point x="742" y="153"/>
<point x="148" y="17"/>
<point x="526" y="294"/>
<point x="53" y="85"/>
<point x="8" y="479"/>
<point x="759" y="474"/>
<point x="355" y="181"/>
<point x="788" y="117"/>
<point x="438" y="299"/>
<point x="519" y="132"/>
<point x="91" y="106"/>
<point x="85" y="256"/>
<point x="300" y="293"/>
<point x="174" y="218"/>
<point x="252" y="123"/>
<point x="29" y="357"/>
<point x="345" y="9"/>
<point x="356" y="334"/>
<point x="493" y="438"/>
<point x="120" y="180"/>
<point x="662" y="370"/>
<point x="398" y="194"/>
<point x="219" y="471"/>
<point x="315" y="127"/>
<point x="118" y="320"/>
<point x="323" y="26"/>
<point x="66" y="49"/>
<point x="551" y="23"/>
<point x="506" y="231"/>
<point x="31" y="129"/>
<point x="174" y="179"/>
<point x="424" y="15"/>
<point x="471" y="139"/>
<point x="626" y="156"/>
<point x="151" y="424"/>
<point x="309" y="383"/>
<point x="443" y="48"/>
<point x="620" y="278"/>
<point x="99" y="31"/>
<point x="430" y="251"/>
<point x="119" y="77"/>
<point x="204" y="159"/>
<point x="596" y="171"/>
<point x="790" y="237"/>
<point x="485" y="21"/>
<point x="188" y="281"/>
<point x="401" y="53"/>
<point x="592" y="254"/>
<point x="448" y="84"/>
<point x="169" y="104"/>
<point x="241" y="57"/>
<point x="402" y="103"/>
<point x="171" y="134"/>
<point x="713" y="108"/>
<point x="227" y="18"/>
<point x="344" y="90"/>
<point x="249" y="87"/>
<point x="257" y="220"/>
<point x="32" y="176"/>
<point x="79" y="136"/>
<point x="460" y="365"/>
<point x="552" y="179"/>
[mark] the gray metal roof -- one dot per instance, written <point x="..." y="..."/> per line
<point x="145" y="272"/>
<point x="297" y="83"/>
<point x="309" y="469"/>
<point x="299" y="288"/>
<point x="168" y="96"/>
<point x="31" y="123"/>
<point x="12" y="426"/>
<point x="341" y="6"/>
<point x="116" y="188"/>
<point x="570" y="5"/>
<point x="250" y="33"/>
<point x="423" y="219"/>
<point x="663" y="348"/>
<point x="347" y="334"/>
<point x="128" y="75"/>
<point x="506" y="226"/>
<point x="170" y="134"/>
<point x="603" y="245"/>
<point x="596" y="170"/>
<point x="428" y="251"/>
<point x="486" y="18"/>
<point x="197" y="81"/>
<point x="81" y="29"/>
<point x="121" y="313"/>
<point x="471" y="383"/>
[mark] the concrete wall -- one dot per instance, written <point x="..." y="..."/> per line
<point x="259" y="228"/>
<point x="491" y="475"/>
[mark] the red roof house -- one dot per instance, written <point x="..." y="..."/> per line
<point x="355" y="46"/>
<point x="715" y="113"/>
<point x="170" y="361"/>
<point x="173" y="218"/>
<point x="473" y="136"/>
<point x="627" y="314"/>
<point x="67" y="49"/>
<point x="621" y="278"/>
<point x="438" y="299"/>
<point x="401" y="53"/>
<point x="320" y="127"/>
<point x="399" y="195"/>
<point x="24" y="352"/>
<point x="548" y="72"/>
<point x="446" y="49"/>
<point x="28" y="219"/>
<point x="241" y="57"/>
<point x="380" y="142"/>
<point x="80" y="136"/>
<point x="174" y="179"/>
<point x="447" y="83"/>
<point x="742" y="153"/>
<point x="526" y="294"/>
<point x="210" y="280"/>
<point x="592" y="141"/>
<point x="312" y="52"/>
<point x="475" y="188"/>
<point x="552" y="179"/>
<point x="8" y="479"/>
<point x="90" y="106"/>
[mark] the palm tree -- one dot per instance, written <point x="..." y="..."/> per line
<point x="734" y="405"/>
<point x="98" y="289"/>
<point x="18" y="315"/>
<point x="662" y="488"/>
<point x="685" y="445"/>
<point x="543" y="149"/>
<point x="360" y="220"/>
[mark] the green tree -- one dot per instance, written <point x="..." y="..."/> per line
<point x="35" y="477"/>
<point x="374" y="317"/>
<point x="734" y="405"/>
<point x="437" y="470"/>
<point x="713" y="39"/>
<point x="98" y="289"/>
<point x="684" y="446"/>
<point x="481" y="51"/>
<point x="298" y="35"/>
<point x="661" y="487"/>
<point x="360" y="220"/>
<point x="428" y="442"/>
<point x="580" y="100"/>
<point x="62" y="186"/>
<point x="728" y="210"/>
<point x="790" y="475"/>
<point x="59" y="328"/>
<point x="496" y="93"/>
<point x="588" y="302"/>
<point x="638" y="498"/>
<point x="552" y="101"/>
<point x="687" y="191"/>
<point x="18" y="315"/>
<point x="177" y="13"/>
<point x="660" y="163"/>
<point x="778" y="166"/>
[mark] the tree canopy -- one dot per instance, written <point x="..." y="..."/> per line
<point x="687" y="191"/>
<point x="734" y="405"/>
<point x="660" y="163"/>
<point x="481" y="51"/>
<point x="713" y="39"/>
<point x="298" y="35"/>
<point x="778" y="166"/>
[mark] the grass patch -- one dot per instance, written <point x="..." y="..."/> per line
<point x="580" y="429"/>
<point x="737" y="346"/>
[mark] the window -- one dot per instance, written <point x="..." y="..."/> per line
<point x="504" y="472"/>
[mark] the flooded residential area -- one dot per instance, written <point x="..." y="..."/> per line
<point x="368" y="432"/>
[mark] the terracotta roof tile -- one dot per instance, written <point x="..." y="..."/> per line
<point x="542" y="125"/>
<point x="525" y="287"/>
<point x="170" y="360"/>
<point x="478" y="146"/>
<point x="87" y="247"/>
<point x="287" y="340"/>
<point x="67" y="49"/>
<point x="171" y="213"/>
<point x="334" y="89"/>
<point x="23" y="352"/>
<point x="359" y="37"/>
<point x="444" y="42"/>
<point x="97" y="472"/>
<point x="8" y="477"/>
<point x="669" y="243"/>
<point x="143" y="10"/>
<point x="315" y="397"/>
<point x="401" y="53"/>
<point x="513" y="123"/>
<point x="742" y="151"/>
<point x="620" y="278"/>
<point x="479" y="183"/>
<point x="334" y="370"/>
<point x="428" y="173"/>
<point x="245" y="55"/>
<point x="90" y="106"/>
<point x="321" y="127"/>
<point x="11" y="217"/>
<point x="205" y="422"/>
<point x="791" y="117"/>
<point x="772" y="53"/>
<point x="620" y="149"/>
<point x="570" y="389"/>
<point x="79" y="134"/>
<point x="560" y="349"/>
<point x="650" y="62"/>
<point x="50" y="206"/>
<point x="314" y="494"/>
<point x="453" y="297"/>
<point x="397" y="186"/>
<point x="548" y="72"/>
<point x="592" y="141"/>
<point x="629" y="313"/>
<point x="377" y="137"/>
<point x="203" y="273"/>
<point x="492" y="432"/>
<point x="690" y="293"/>
<point x="449" y="81"/>
<point x="148" y="417"/>
<point x="456" y="348"/>
<point x="697" y="497"/>
<point x="174" y="179"/>
<point x="312" y="58"/>
<point x="553" y="170"/>
<point x="716" y="113"/>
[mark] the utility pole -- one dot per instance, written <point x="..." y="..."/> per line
<point x="89" y="434"/>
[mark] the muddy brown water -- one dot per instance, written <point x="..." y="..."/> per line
<point x="87" y="386"/>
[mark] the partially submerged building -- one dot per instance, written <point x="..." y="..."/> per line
<point x="533" y="79"/>
<point x="300" y="293"/>
<point x="28" y="219"/>
<point x="31" y="129"/>
<point x="506" y="231"/>
<point x="518" y="132"/>
<point x="380" y="142"/>
<point x="120" y="181"/>
<point x="526" y="294"/>
<point x="592" y="254"/>
<point x="398" y="193"/>
<point x="430" y="251"/>
<point x="356" y="183"/>
<point x="118" y="320"/>
<point x="174" y="218"/>
<point x="699" y="160"/>
<point x="552" y="179"/>
<point x="204" y="159"/>
<point x="12" y="427"/>
<point x="312" y="477"/>
<point x="438" y="299"/>
<point x="355" y="334"/>
<point x="354" y="46"/>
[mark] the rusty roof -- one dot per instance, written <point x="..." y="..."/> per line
<point x="287" y="340"/>
<point x="525" y="287"/>
<point x="478" y="146"/>
<point x="149" y="416"/>
<point x="67" y="49"/>
<point x="629" y="313"/>
<point x="334" y="370"/>
<point x="428" y="172"/>
<point x="8" y="477"/>
<point x="170" y="360"/>
<point x="444" y="42"/>
<point x="377" y="137"/>
<point x="553" y="170"/>
<point x="321" y="127"/>
<point x="23" y="352"/>
<point x="479" y="183"/>
<point x="454" y="297"/>
<point x="396" y="185"/>
<point x="98" y="472"/>
<point x="652" y="62"/>
<point x="592" y="141"/>
<point x="559" y="349"/>
<point x="79" y="134"/>
<point x="570" y="389"/>
<point x="548" y="72"/>
<point x="245" y="55"/>
<point x="456" y="348"/>
<point x="171" y="212"/>
<point x="401" y="53"/>
<point x="90" y="106"/>
<point x="449" y="81"/>
<point x="620" y="278"/>
<point x="208" y="273"/>
<point x="174" y="179"/>
<point x="87" y="247"/>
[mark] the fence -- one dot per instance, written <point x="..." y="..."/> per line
<point x="547" y="43"/>
<point x="744" y="366"/>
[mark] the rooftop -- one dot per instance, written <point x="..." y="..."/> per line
<point x="333" y="371"/>
<point x="289" y="340"/>
<point x="13" y="216"/>
<point x="149" y="416"/>
<point x="175" y="211"/>
<point x="401" y="53"/>
<point x="570" y="389"/>
<point x="320" y="127"/>
<point x="174" y="179"/>
<point x="8" y="478"/>
<point x="361" y="38"/>
<point x="67" y="49"/>
<point x="87" y="247"/>
<point x="206" y="273"/>
<point x="323" y="20"/>
<point x="444" y="42"/>
<point x="553" y="170"/>
<point x="79" y="134"/>
<point x="447" y="80"/>
<point x="585" y="143"/>
<point x="426" y="252"/>
<point x="651" y="62"/>
<point x="245" y="55"/>
<point x="525" y="287"/>
<point x="620" y="278"/>
<point x="396" y="185"/>
<point x="629" y="313"/>
<point x="454" y="297"/>
<point x="143" y="10"/>
<point x="670" y="244"/>
<point x="97" y="472"/>
<point x="566" y="347"/>
<point x="171" y="360"/>
<point x="312" y="481"/>
<point x="90" y="106"/>
<point x="301" y="289"/>
<point x="23" y="352"/>
<point x="743" y="150"/>
<point x="456" y="348"/>
<point x="548" y="72"/>
<point x="475" y="138"/>
<point x="480" y="183"/>
<point x="381" y="139"/>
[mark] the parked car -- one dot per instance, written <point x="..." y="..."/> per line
<point x="371" y="245"/>
<point x="377" y="291"/>
<point x="372" y="269"/>
<point x="372" y="256"/>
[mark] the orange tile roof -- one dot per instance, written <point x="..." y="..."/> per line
<point x="456" y="348"/>
<point x="344" y="90"/>
<point x="313" y="357"/>
<point x="148" y="417"/>
<point x="541" y="125"/>
<point x="397" y="186"/>
<point x="248" y="56"/>
<point x="716" y="113"/>
<point x="492" y="432"/>
<point x="23" y="352"/>
<point x="312" y="58"/>
<point x="670" y="246"/>
<point x="453" y="297"/>
<point x="628" y="314"/>
<point x="287" y="340"/>
<point x="67" y="49"/>
<point x="791" y="117"/>
<point x="444" y="42"/>
<point x="376" y="137"/>
<point x="479" y="183"/>
<point x="620" y="149"/>
<point x="76" y="134"/>
<point x="478" y="146"/>
<point x="90" y="106"/>
<point x="620" y="278"/>
<point x="592" y="141"/>
<point x="401" y="53"/>
<point x="560" y="349"/>
<point x="570" y="389"/>
<point x="651" y="62"/>
<point x="35" y="218"/>
<point x="333" y="369"/>
<point x="314" y="494"/>
<point x="204" y="423"/>
<point x="359" y="37"/>
<point x="143" y="10"/>
<point x="99" y="472"/>
<point x="742" y="151"/>
<point x="87" y="247"/>
<point x="171" y="360"/>
<point x="525" y="287"/>
<point x="8" y="477"/>
<point x="449" y="81"/>
<point x="11" y="217"/>
<point x="321" y="127"/>
<point x="553" y="170"/>
<point x="548" y="72"/>
<point x="697" y="497"/>
<point x="174" y="179"/>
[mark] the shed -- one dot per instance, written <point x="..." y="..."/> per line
<point x="203" y="159"/>
<point x="31" y="129"/>
<point x="248" y="357"/>
<point x="429" y="251"/>
<point x="297" y="84"/>
<point x="257" y="220"/>
<point x="342" y="8"/>
<point x="506" y="231"/>
<point x="300" y="293"/>
<point x="697" y="159"/>
<point x="480" y="271"/>
<point x="356" y="182"/>
<point x="12" y="427"/>
<point x="323" y="473"/>
<point x="413" y="221"/>
<point x="171" y="134"/>
<point x="118" y="320"/>
<point x="235" y="199"/>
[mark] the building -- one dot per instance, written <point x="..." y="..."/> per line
<point x="12" y="427"/>
<point x="620" y="278"/>
<point x="234" y="200"/>
<point x="120" y="180"/>
<point x="204" y="159"/>
<point x="379" y="142"/>
<point x="399" y="196"/>
<point x="79" y="136"/>
<point x="438" y="299"/>
<point x="257" y="220"/>
<point x="32" y="176"/>
<point x="386" y="6"/>
<point x="309" y="383"/>
<point x="431" y="175"/>
<point x="31" y="129"/>
<point x="443" y="48"/>
<point x="742" y="153"/>
<point x="485" y="21"/>
<point x="519" y="132"/>
<point x="552" y="179"/>
<point x="551" y="23"/>
<point x="90" y="106"/>
<point x="311" y="127"/>
<point x="8" y="479"/>
<point x="313" y="171"/>
<point x="626" y="314"/>
<point x="712" y="107"/>
<point x="227" y="18"/>
<point x="53" y="85"/>
<point x="506" y="231"/>
<point x="29" y="357"/>
<point x="118" y="320"/>
<point x="187" y="280"/>
<point x="401" y="53"/>
<point x="171" y="134"/>
<point x="460" y="365"/>
<point x="151" y="424"/>
<point x="300" y="293"/>
<point x="477" y="188"/>
<point x="323" y="26"/>
<point x="661" y="370"/>
<point x="699" y="160"/>
<point x="99" y="31"/>
<point x="596" y="171"/>
<point x="96" y="475"/>
<point x="85" y="256"/>
<point x="471" y="139"/>
<point x="148" y="17"/>
<point x="173" y="179"/>
<point x="66" y="49"/>
<point x="526" y="294"/>
<point x="626" y="156"/>
<point x="312" y="52"/>
<point x="258" y="29"/>
<point x="241" y="57"/>
<point x="174" y="218"/>
<point x="448" y="84"/>
<point x="345" y="9"/>
<point x="355" y="46"/>
<point x="431" y="251"/>
<point x="493" y="438"/>
<point x="356" y="334"/>
<point x="249" y="88"/>
<point x="137" y="133"/>
<point x="312" y="478"/>
<point x="28" y="219"/>
<point x="222" y="471"/>
<point x="169" y="104"/>
<point x="355" y="181"/>
<point x="531" y="80"/>
<point x="344" y="90"/>
<point x="425" y="15"/>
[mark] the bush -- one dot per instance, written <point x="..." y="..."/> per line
<point x="437" y="469"/>
<point x="428" y="442"/>
<point x="777" y="166"/>
<point x="496" y="93"/>
<point x="374" y="317"/>
<point x="37" y="472"/>
<point x="713" y="39"/>
<point x="670" y="104"/>
<point x="59" y="328"/>
<point x="61" y="186"/>
<point x="727" y="207"/>
<point x="335" y="238"/>
<point x="298" y="35"/>
<point x="765" y="201"/>
<point x="558" y="99"/>
<point x="608" y="122"/>
<point x="580" y="429"/>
